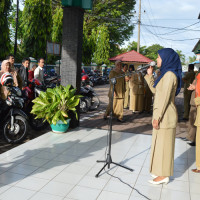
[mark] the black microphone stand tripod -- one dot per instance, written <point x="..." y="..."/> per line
<point x="108" y="160"/>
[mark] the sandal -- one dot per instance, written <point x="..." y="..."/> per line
<point x="196" y="170"/>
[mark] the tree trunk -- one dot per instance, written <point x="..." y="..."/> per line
<point x="72" y="49"/>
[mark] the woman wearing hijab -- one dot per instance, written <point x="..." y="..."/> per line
<point x="6" y="67"/>
<point x="165" y="116"/>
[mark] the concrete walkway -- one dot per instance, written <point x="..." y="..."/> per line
<point x="63" y="166"/>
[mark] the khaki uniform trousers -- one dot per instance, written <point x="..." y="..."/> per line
<point x="198" y="148"/>
<point x="187" y="97"/>
<point x="162" y="152"/>
<point x="137" y="102"/>
<point x="191" y="128"/>
<point x="117" y="108"/>
<point x="126" y="97"/>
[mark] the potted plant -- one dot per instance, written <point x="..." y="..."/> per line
<point x="54" y="105"/>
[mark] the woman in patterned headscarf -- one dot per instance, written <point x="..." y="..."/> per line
<point x="165" y="116"/>
<point x="6" y="67"/>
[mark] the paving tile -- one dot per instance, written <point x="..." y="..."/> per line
<point x="105" y="195"/>
<point x="84" y="193"/>
<point x="57" y="188"/>
<point x="32" y="183"/>
<point x="93" y="182"/>
<point x="16" y="193"/>
<point x="44" y="196"/>
<point x="9" y="178"/>
<point x="146" y="192"/>
<point x="23" y="169"/>
<point x="167" y="194"/>
<point x="118" y="187"/>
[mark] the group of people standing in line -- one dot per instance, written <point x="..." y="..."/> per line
<point x="165" y="117"/>
<point x="21" y="76"/>
<point x="131" y="92"/>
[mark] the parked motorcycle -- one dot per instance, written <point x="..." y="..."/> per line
<point x="90" y="100"/>
<point x="14" y="121"/>
<point x="31" y="92"/>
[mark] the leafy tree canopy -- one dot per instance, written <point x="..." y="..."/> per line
<point x="5" y="42"/>
<point x="37" y="24"/>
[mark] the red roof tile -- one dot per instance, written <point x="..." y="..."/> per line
<point x="131" y="56"/>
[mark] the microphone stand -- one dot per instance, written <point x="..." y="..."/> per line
<point x="108" y="160"/>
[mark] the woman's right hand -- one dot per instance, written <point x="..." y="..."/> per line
<point x="150" y="70"/>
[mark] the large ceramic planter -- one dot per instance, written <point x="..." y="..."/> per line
<point x="60" y="127"/>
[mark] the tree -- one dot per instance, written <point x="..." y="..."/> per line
<point x="57" y="24"/>
<point x="116" y="15"/>
<point x="101" y="54"/>
<point x="182" y="56"/>
<point x="37" y="23"/>
<point x="5" y="45"/>
<point x="192" y="59"/>
<point x="133" y="46"/>
<point x="152" y="51"/>
<point x="89" y="45"/>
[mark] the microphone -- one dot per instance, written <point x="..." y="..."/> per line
<point x="143" y="68"/>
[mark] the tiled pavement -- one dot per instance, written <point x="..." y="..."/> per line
<point x="63" y="166"/>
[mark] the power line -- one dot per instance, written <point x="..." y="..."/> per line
<point x="180" y="29"/>
<point x="170" y="39"/>
<point x="167" y="27"/>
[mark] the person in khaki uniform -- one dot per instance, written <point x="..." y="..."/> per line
<point x="188" y="79"/>
<point x="165" y="116"/>
<point x="119" y="93"/>
<point x="147" y="98"/>
<point x="136" y="85"/>
<point x="197" y="121"/>
<point x="126" y="97"/>
<point x="192" y="116"/>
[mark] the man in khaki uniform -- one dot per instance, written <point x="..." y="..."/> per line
<point x="119" y="92"/>
<point x="188" y="79"/>
<point x="136" y="85"/>
<point x="126" y="97"/>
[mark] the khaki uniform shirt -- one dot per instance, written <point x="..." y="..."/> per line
<point x="164" y="108"/>
<point x="119" y="86"/>
<point x="136" y="84"/>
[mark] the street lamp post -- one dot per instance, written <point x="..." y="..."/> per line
<point x="16" y="19"/>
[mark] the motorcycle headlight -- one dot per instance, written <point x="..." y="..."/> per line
<point x="19" y="92"/>
<point x="9" y="102"/>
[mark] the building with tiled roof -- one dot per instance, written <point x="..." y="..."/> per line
<point x="132" y="58"/>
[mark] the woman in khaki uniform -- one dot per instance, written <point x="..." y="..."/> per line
<point x="197" y="121"/>
<point x="118" y="100"/>
<point x="126" y="97"/>
<point x="6" y="67"/>
<point x="165" y="117"/>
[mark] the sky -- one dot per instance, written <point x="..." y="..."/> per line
<point x="168" y="13"/>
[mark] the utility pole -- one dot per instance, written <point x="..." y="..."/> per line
<point x="139" y="22"/>
<point x="16" y="19"/>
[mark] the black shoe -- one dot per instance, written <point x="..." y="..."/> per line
<point x="120" y="120"/>
<point x="192" y="144"/>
